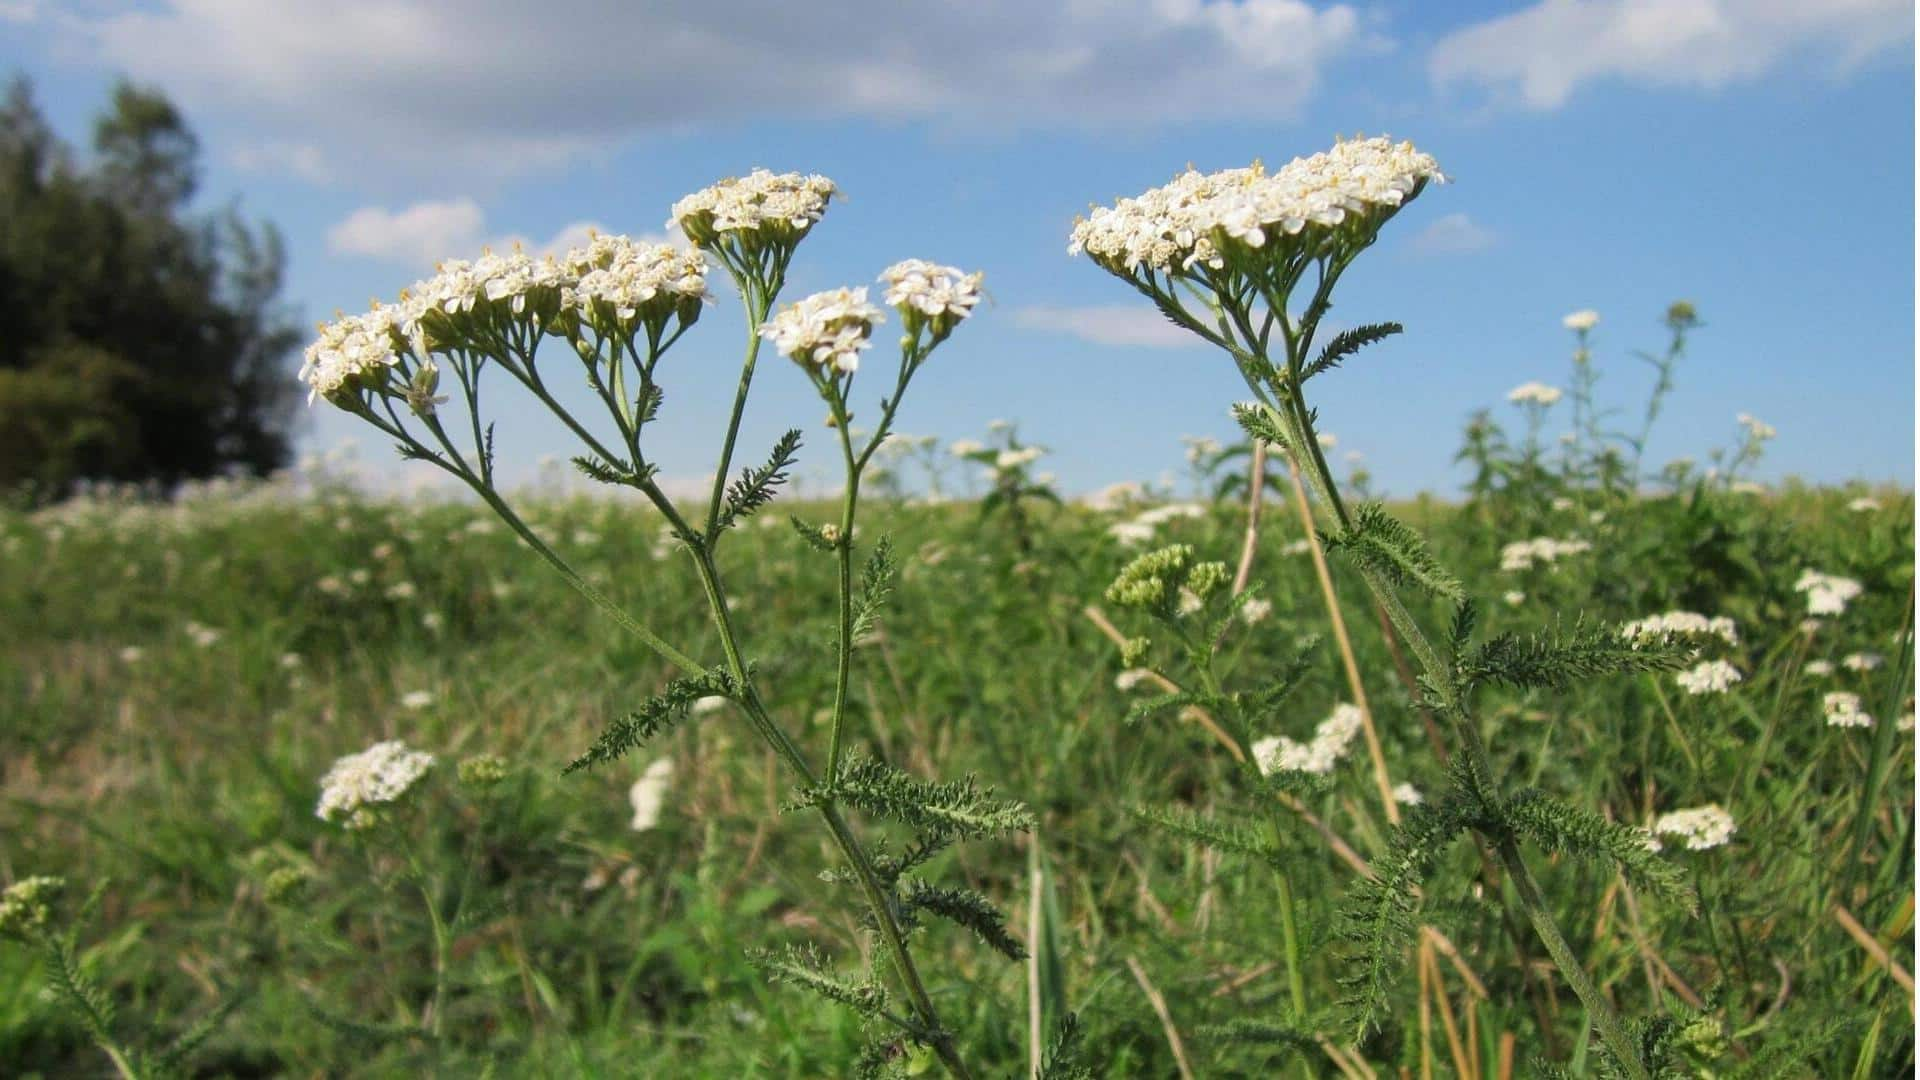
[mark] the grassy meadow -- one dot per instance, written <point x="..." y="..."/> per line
<point x="177" y="677"/>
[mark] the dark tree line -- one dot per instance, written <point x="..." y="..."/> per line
<point x="139" y="342"/>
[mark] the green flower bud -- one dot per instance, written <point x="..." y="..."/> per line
<point x="483" y="771"/>
<point x="26" y="906"/>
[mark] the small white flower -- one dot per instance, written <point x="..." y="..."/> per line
<point x="1757" y="429"/>
<point x="1407" y="795"/>
<point x="964" y="447"/>
<point x="1826" y="593"/>
<point x="1514" y="597"/>
<point x="403" y="590"/>
<point x="379" y="774"/>
<point x="1863" y="661"/>
<point x="1703" y="827"/>
<point x="709" y="705"/>
<point x="827" y="330"/>
<point x="649" y="794"/>
<point x="1655" y="627"/>
<point x="132" y="654"/>
<point x="1819" y="667"/>
<point x="1534" y="393"/>
<point x="1130" y="678"/>
<point x="1864" y="505"/>
<point x="1711" y="677"/>
<point x="203" y="636"/>
<point x="416" y="699"/>
<point x="1843" y="710"/>
<point x="1255" y="611"/>
<point x="290" y="661"/>
<point x="1584" y="319"/>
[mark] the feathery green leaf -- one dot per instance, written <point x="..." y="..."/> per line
<point x="1387" y="546"/>
<point x="659" y="714"/>
<point x="1347" y="342"/>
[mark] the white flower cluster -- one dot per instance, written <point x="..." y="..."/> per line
<point x="1142" y="526"/>
<point x="379" y="774"/>
<point x="1703" y="827"/>
<point x="1862" y="661"/>
<point x="1185" y="222"/>
<point x="612" y="283"/>
<point x="1534" y="393"/>
<point x="1843" y="710"/>
<point x="1757" y="429"/>
<point x="1582" y="320"/>
<point x="1523" y="554"/>
<point x="964" y="447"/>
<point x="1331" y="740"/>
<point x="1014" y="459"/>
<point x="760" y="205"/>
<point x="1681" y="622"/>
<point x="1709" y="677"/>
<point x="649" y="794"/>
<point x="942" y="294"/>
<point x="827" y="330"/>
<point x="1826" y="594"/>
<point x="1865" y="504"/>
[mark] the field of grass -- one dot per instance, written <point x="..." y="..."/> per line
<point x="177" y="678"/>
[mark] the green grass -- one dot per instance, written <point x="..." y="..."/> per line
<point x="184" y="778"/>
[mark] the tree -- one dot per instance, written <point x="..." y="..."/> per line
<point x="138" y="342"/>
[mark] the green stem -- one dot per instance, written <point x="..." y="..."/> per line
<point x="843" y="552"/>
<point x="758" y="302"/>
<point x="1600" y="1010"/>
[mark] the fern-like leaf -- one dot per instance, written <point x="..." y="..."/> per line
<point x="1347" y="342"/>
<point x="1556" y="659"/>
<point x="1253" y="420"/>
<point x="876" y="587"/>
<point x="960" y="809"/>
<point x="1378" y="915"/>
<point x="1061" y="1059"/>
<point x="616" y="472"/>
<point x="1248" y="1031"/>
<point x="803" y="966"/>
<point x="1389" y="547"/>
<point x="1558" y="827"/>
<point x="659" y="714"/>
<point x="1214" y="832"/>
<point x="758" y="485"/>
<point x="969" y="909"/>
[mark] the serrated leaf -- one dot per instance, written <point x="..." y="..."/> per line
<point x="1223" y="834"/>
<point x="1556" y="659"/>
<point x="657" y="715"/>
<point x="1254" y="419"/>
<point x="1558" y="827"/>
<point x="812" y="534"/>
<point x="757" y="486"/>
<point x="1389" y="547"/>
<point x="803" y="966"/>
<point x="1348" y="342"/>
<point x="876" y="586"/>
<point x="959" y="809"/>
<point x="968" y="909"/>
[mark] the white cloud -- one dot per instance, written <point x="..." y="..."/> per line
<point x="425" y="233"/>
<point x="501" y="85"/>
<point x="1454" y="234"/>
<point x="421" y="234"/>
<point x="1108" y="325"/>
<point x="1543" y="53"/>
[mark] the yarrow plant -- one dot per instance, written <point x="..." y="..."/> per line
<point x="1248" y="259"/>
<point x="611" y="310"/>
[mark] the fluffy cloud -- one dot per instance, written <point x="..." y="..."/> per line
<point x="1543" y="53"/>
<point x="502" y="85"/>
<point x="421" y="234"/>
<point x="424" y="233"/>
<point x="1454" y="234"/>
<point x="1108" y="325"/>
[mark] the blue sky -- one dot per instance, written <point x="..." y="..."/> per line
<point x="1755" y="158"/>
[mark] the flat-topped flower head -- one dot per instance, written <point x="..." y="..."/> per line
<point x="1331" y="741"/>
<point x="928" y="294"/>
<point x="1702" y="827"/>
<point x="615" y="284"/>
<point x="1711" y="677"/>
<point x="1534" y="393"/>
<point x="759" y="210"/>
<point x="1688" y="623"/>
<point x="1843" y="710"/>
<point x="352" y="355"/>
<point x="358" y="783"/>
<point x="1827" y="594"/>
<point x="1581" y="321"/>
<point x="826" y="331"/>
<point x="1200" y="218"/>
